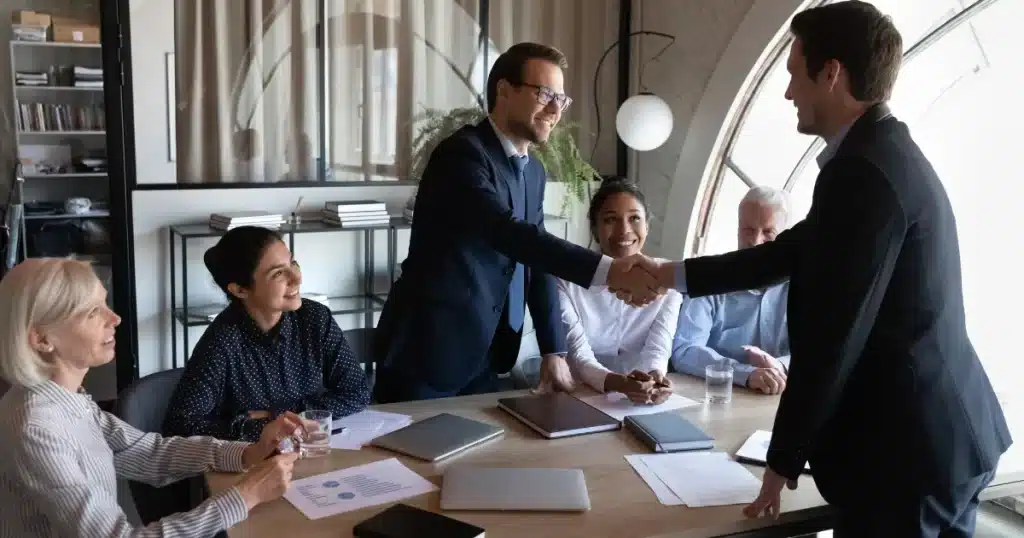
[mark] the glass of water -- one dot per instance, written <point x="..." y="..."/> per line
<point x="718" y="382"/>
<point x="316" y="435"/>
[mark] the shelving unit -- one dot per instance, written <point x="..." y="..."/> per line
<point x="367" y="302"/>
<point x="56" y="124"/>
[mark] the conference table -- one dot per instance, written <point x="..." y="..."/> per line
<point x="622" y="505"/>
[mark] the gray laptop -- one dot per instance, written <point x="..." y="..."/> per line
<point x="438" y="437"/>
<point x="494" y="488"/>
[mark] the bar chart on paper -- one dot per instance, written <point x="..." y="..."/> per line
<point x="356" y="487"/>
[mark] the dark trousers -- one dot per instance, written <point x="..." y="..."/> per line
<point x="949" y="514"/>
<point x="393" y="386"/>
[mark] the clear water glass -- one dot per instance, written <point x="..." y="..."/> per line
<point x="316" y="436"/>
<point x="718" y="382"/>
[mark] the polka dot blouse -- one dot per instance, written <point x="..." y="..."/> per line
<point x="302" y="363"/>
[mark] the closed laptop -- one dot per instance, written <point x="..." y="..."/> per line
<point x="438" y="437"/>
<point x="558" y="414"/>
<point x="498" y="488"/>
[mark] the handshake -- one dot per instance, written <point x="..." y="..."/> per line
<point x="638" y="280"/>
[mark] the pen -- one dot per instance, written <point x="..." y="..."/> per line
<point x="337" y="430"/>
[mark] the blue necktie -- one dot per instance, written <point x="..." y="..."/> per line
<point x="516" y="289"/>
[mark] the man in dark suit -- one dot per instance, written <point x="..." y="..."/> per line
<point x="886" y="397"/>
<point x="479" y="254"/>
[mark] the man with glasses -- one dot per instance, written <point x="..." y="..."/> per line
<point x="479" y="255"/>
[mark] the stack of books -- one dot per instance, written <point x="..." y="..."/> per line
<point x="356" y="213"/>
<point x="231" y="220"/>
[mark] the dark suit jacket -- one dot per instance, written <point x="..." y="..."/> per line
<point x="884" y="388"/>
<point x="442" y="313"/>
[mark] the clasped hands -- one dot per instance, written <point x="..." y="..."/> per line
<point x="638" y="280"/>
<point x="640" y="387"/>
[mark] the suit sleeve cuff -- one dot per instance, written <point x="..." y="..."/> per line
<point x="788" y="464"/>
<point x="601" y="274"/>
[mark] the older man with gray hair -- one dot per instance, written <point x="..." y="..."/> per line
<point x="747" y="328"/>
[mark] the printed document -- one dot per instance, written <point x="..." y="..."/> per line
<point x="350" y="489"/>
<point x="618" y="406"/>
<point x="365" y="426"/>
<point x="697" y="479"/>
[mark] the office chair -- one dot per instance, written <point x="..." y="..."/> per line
<point x="361" y="342"/>
<point x="143" y="406"/>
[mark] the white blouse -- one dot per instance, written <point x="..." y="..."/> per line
<point x="606" y="335"/>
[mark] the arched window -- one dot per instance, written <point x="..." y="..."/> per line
<point x="959" y="94"/>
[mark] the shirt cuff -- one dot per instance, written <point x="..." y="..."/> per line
<point x="601" y="274"/>
<point x="233" y="509"/>
<point x="740" y="374"/>
<point x="680" y="284"/>
<point x="229" y="456"/>
<point x="785" y="362"/>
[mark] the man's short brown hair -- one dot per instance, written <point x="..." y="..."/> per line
<point x="860" y="37"/>
<point x="511" y="64"/>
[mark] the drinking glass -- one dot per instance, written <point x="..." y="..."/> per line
<point x="718" y="382"/>
<point x="316" y="436"/>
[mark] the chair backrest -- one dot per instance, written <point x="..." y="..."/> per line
<point x="144" y="404"/>
<point x="361" y="342"/>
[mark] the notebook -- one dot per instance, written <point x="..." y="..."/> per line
<point x="404" y="521"/>
<point x="755" y="449"/>
<point x="438" y="437"/>
<point x="496" y="488"/>
<point x="557" y="415"/>
<point x="668" y="432"/>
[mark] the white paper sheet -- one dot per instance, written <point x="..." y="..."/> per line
<point x="365" y="426"/>
<point x="661" y="491"/>
<point x="618" y="406"/>
<point x="703" y="478"/>
<point x="350" y="489"/>
<point x="755" y="448"/>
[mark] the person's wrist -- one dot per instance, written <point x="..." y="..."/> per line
<point x="253" y="454"/>
<point x="613" y="382"/>
<point x="249" y="495"/>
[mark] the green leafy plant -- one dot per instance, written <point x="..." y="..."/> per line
<point x="559" y="154"/>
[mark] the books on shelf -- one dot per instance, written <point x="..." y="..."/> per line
<point x="38" y="117"/>
<point x="356" y="213"/>
<point x="234" y="219"/>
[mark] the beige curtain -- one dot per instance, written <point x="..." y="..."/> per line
<point x="251" y="80"/>
<point x="247" y="84"/>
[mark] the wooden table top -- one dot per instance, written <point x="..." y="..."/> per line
<point x="622" y="504"/>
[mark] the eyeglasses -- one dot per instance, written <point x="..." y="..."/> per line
<point x="545" y="95"/>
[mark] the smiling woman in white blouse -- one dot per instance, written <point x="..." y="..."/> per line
<point x="614" y="347"/>
<point x="63" y="454"/>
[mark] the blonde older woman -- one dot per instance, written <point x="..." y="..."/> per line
<point x="63" y="454"/>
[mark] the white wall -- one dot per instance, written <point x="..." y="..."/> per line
<point x="702" y="77"/>
<point x="152" y="26"/>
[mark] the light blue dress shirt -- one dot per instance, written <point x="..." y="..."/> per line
<point x="716" y="327"/>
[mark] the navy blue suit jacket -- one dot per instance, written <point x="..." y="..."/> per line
<point x="442" y="314"/>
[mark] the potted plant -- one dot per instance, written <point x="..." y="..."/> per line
<point x="559" y="154"/>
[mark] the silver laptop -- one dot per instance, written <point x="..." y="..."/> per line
<point x="492" y="488"/>
<point x="438" y="437"/>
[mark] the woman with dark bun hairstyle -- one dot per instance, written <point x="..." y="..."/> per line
<point x="268" y="353"/>
<point x="615" y="347"/>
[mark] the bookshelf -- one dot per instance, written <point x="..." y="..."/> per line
<point x="60" y="136"/>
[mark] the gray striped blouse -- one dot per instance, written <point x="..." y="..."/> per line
<point x="63" y="457"/>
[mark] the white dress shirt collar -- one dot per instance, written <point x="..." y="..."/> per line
<point x="510" y="148"/>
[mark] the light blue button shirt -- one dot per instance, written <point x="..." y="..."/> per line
<point x="716" y="327"/>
